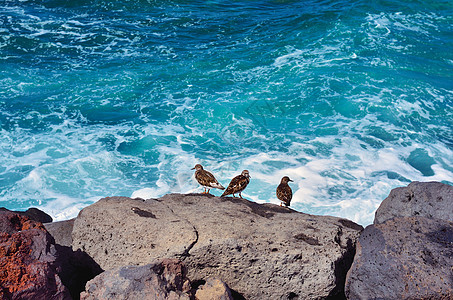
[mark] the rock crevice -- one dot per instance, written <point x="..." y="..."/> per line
<point x="186" y="252"/>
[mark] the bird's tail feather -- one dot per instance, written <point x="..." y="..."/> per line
<point x="217" y="185"/>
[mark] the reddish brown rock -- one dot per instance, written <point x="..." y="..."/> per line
<point x="213" y="289"/>
<point x="27" y="260"/>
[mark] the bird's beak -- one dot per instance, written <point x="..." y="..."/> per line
<point x="291" y="180"/>
<point x="193" y="168"/>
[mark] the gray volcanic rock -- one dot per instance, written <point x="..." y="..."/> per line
<point x="37" y="215"/>
<point x="158" y="281"/>
<point x="403" y="258"/>
<point x="120" y="231"/>
<point x="61" y="231"/>
<point x="425" y="199"/>
<point x="262" y="251"/>
<point x="32" y="213"/>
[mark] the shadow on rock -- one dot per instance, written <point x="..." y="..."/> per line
<point x="76" y="268"/>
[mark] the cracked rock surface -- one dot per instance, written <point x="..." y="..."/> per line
<point x="261" y="251"/>
<point x="119" y="231"/>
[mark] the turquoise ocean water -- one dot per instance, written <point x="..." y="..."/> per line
<point x="102" y="98"/>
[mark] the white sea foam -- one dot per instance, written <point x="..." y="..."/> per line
<point x="349" y="181"/>
<point x="311" y="189"/>
<point x="308" y="106"/>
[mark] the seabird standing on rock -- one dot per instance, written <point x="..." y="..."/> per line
<point x="284" y="192"/>
<point x="238" y="184"/>
<point x="206" y="179"/>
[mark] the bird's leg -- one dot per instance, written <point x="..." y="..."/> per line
<point x="281" y="204"/>
<point x="240" y="195"/>
<point x="207" y="191"/>
<point x="234" y="196"/>
<point x="204" y="190"/>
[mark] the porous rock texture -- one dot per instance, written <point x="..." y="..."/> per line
<point x="120" y="231"/>
<point x="164" y="280"/>
<point x="28" y="260"/>
<point x="408" y="252"/>
<point x="262" y="251"/>
<point x="424" y="199"/>
<point x="403" y="258"/>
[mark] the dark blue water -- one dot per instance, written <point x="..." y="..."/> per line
<point x="101" y="98"/>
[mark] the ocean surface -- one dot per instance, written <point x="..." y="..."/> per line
<point x="99" y="98"/>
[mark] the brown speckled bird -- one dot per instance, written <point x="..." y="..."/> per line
<point x="284" y="192"/>
<point x="206" y="179"/>
<point x="238" y="184"/>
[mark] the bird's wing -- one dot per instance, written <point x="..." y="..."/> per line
<point x="203" y="177"/>
<point x="207" y="179"/>
<point x="284" y="193"/>
<point x="238" y="183"/>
